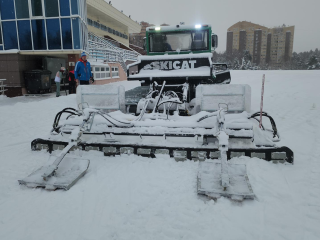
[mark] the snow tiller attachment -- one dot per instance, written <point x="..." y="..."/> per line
<point x="220" y="178"/>
<point x="213" y="127"/>
<point x="61" y="172"/>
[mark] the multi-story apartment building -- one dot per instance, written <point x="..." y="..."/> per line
<point x="266" y="45"/>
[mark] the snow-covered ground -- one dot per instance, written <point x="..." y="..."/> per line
<point x="132" y="197"/>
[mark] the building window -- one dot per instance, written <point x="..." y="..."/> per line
<point x="96" y="24"/>
<point x="36" y="7"/>
<point x="107" y="72"/>
<point x="7" y="9"/>
<point x="38" y="34"/>
<point x="64" y="8"/>
<point x="0" y="35"/>
<point x="53" y="34"/>
<point x="66" y="33"/>
<point x="101" y="73"/>
<point x="83" y="34"/>
<point x="22" y="9"/>
<point x="10" y="35"/>
<point x="115" y="72"/>
<point x="51" y="7"/>
<point x="24" y="31"/>
<point x="76" y="33"/>
<point x="74" y="7"/>
<point x="97" y="74"/>
<point x="105" y="28"/>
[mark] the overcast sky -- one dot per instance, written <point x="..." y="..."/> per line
<point x="303" y="14"/>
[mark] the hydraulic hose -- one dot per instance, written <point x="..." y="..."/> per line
<point x="115" y="120"/>
<point x="71" y="111"/>
<point x="273" y="123"/>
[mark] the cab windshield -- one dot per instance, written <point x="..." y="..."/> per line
<point x="196" y="40"/>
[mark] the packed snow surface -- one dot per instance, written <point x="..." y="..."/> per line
<point x="131" y="197"/>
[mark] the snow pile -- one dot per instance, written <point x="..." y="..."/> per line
<point x="131" y="197"/>
<point x="3" y="97"/>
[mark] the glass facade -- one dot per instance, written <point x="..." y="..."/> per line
<point x="53" y="34"/>
<point x="66" y="33"/>
<point x="7" y="9"/>
<point x="0" y="35"/>
<point x="74" y="7"/>
<point x="39" y="34"/>
<point x="51" y="7"/>
<point x="9" y="35"/>
<point x="43" y="25"/>
<point x="76" y="33"/>
<point x="24" y="35"/>
<point x="22" y="8"/>
<point x="64" y="8"/>
<point x="36" y="6"/>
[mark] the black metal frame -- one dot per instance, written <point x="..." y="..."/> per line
<point x="247" y="151"/>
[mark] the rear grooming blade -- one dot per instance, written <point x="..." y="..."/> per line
<point x="68" y="173"/>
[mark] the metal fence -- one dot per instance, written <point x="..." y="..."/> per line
<point x="2" y="90"/>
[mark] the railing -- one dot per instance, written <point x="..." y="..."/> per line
<point x="2" y="90"/>
<point x="104" y="49"/>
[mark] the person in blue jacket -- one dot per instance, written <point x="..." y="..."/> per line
<point x="82" y="71"/>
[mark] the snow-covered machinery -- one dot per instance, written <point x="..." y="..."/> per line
<point x="180" y="55"/>
<point x="178" y="111"/>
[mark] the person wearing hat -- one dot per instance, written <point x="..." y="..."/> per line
<point x="82" y="71"/>
<point x="57" y="79"/>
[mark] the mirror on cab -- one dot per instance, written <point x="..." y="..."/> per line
<point x="214" y="40"/>
<point x="144" y="43"/>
